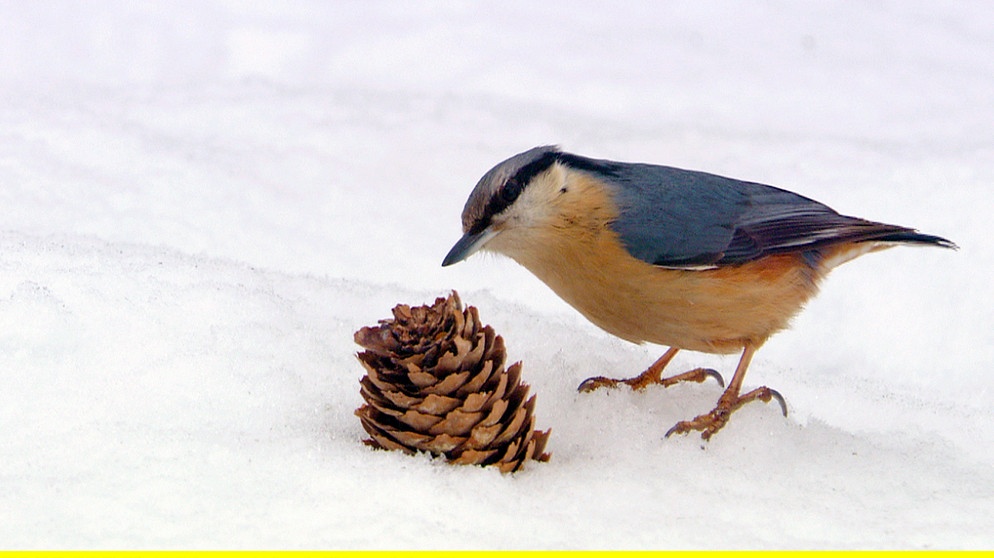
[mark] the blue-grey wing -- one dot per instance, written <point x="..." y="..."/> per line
<point x="679" y="218"/>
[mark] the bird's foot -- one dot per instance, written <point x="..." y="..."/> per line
<point x="651" y="377"/>
<point x="712" y="422"/>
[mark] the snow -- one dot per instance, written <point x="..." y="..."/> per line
<point x="204" y="200"/>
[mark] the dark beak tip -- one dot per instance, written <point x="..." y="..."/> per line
<point x="460" y="250"/>
<point x="454" y="256"/>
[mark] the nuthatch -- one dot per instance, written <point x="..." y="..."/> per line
<point x="668" y="256"/>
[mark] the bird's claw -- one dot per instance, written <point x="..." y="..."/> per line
<point x="774" y="394"/>
<point x="590" y="384"/>
<point x="698" y="375"/>
<point x="712" y="373"/>
<point x="707" y="424"/>
<point x="645" y="380"/>
<point x="712" y="422"/>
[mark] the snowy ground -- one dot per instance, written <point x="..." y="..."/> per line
<point x="203" y="200"/>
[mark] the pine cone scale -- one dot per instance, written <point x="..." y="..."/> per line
<point x="436" y="404"/>
<point x="442" y="443"/>
<point x="450" y="384"/>
<point x="482" y="435"/>
<point x="457" y="422"/>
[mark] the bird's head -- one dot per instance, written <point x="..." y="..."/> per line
<point x="531" y="198"/>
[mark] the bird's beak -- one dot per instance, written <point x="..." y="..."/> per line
<point x="468" y="245"/>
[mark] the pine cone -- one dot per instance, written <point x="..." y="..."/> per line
<point x="436" y="383"/>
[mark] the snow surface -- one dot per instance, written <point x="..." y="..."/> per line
<point x="203" y="200"/>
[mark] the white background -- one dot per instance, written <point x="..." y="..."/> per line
<point x="201" y="201"/>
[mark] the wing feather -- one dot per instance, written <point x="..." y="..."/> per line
<point x="687" y="219"/>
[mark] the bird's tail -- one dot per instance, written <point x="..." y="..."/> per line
<point x="885" y="236"/>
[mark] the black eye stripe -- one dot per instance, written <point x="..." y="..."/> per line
<point x="511" y="190"/>
<point x="526" y="173"/>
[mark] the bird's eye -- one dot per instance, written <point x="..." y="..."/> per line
<point x="510" y="191"/>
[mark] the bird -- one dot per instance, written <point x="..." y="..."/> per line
<point x="662" y="255"/>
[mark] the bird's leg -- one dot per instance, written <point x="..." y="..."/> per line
<point x="654" y="375"/>
<point x="729" y="402"/>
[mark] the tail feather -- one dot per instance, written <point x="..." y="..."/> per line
<point x="915" y="237"/>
